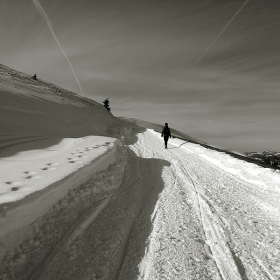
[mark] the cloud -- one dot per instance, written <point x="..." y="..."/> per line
<point x="140" y="54"/>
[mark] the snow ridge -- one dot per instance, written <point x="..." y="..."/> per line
<point x="54" y="229"/>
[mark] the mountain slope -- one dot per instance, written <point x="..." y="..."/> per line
<point x="40" y="108"/>
<point x="104" y="199"/>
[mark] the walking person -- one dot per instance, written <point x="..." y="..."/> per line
<point x="166" y="133"/>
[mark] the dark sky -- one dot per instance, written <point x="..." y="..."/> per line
<point x="141" y="54"/>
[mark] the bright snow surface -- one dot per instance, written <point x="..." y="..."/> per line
<point x="213" y="217"/>
<point x="34" y="169"/>
<point x="186" y="212"/>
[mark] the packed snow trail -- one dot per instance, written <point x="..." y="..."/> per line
<point x="203" y="222"/>
<point x="157" y="214"/>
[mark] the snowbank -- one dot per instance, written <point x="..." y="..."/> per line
<point x="62" y="210"/>
<point x="34" y="180"/>
<point x="59" y="167"/>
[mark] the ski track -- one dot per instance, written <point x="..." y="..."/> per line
<point x="207" y="223"/>
<point x="173" y="216"/>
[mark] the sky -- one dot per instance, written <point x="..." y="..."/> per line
<point x="143" y="54"/>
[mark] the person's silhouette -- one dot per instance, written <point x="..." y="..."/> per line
<point x="166" y="133"/>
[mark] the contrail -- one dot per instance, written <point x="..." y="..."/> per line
<point x="223" y="30"/>
<point x="42" y="12"/>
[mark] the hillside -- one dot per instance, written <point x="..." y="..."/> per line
<point x="86" y="195"/>
<point x="31" y="107"/>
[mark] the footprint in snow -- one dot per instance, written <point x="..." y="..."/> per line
<point x="74" y="160"/>
<point x="106" y="144"/>
<point x="95" y="147"/>
<point x="30" y="172"/>
<point x="32" y="177"/>
<point x="75" y="154"/>
<point x="50" y="166"/>
<point x="15" y="185"/>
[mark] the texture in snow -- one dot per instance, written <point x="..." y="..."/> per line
<point x="85" y="195"/>
<point x="203" y="219"/>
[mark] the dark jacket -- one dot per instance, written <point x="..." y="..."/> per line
<point x="166" y="133"/>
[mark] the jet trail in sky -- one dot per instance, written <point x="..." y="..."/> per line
<point x="222" y="30"/>
<point x="42" y="12"/>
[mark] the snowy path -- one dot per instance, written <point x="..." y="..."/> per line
<point x="207" y="223"/>
<point x="158" y="214"/>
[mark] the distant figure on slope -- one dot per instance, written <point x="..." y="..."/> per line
<point x="106" y="104"/>
<point x="166" y="133"/>
<point x="34" y="77"/>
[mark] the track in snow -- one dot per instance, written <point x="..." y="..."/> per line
<point x="206" y="223"/>
<point x="174" y="216"/>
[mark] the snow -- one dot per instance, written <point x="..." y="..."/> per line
<point x="28" y="187"/>
<point x="86" y="195"/>
<point x="207" y="222"/>
<point x="53" y="144"/>
<point x="33" y="169"/>
<point x="252" y="173"/>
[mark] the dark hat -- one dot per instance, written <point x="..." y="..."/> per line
<point x="166" y="123"/>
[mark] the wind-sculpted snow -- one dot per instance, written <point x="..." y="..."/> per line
<point x="29" y="167"/>
<point x="187" y="212"/>
<point x="52" y="236"/>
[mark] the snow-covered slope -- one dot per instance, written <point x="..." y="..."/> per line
<point x="86" y="195"/>
<point x="29" y="108"/>
<point x="35" y="180"/>
<point x="53" y="145"/>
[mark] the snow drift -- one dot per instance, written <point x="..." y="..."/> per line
<point x="86" y="195"/>
<point x="50" y="161"/>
